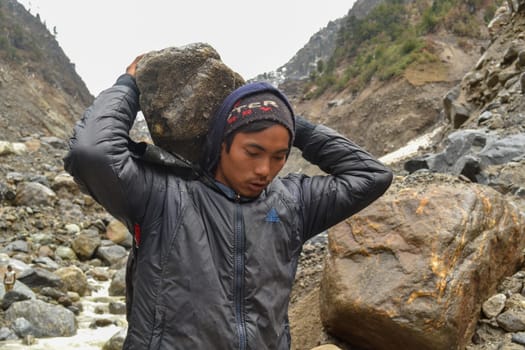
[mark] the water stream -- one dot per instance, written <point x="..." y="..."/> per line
<point x="412" y="147"/>
<point x="87" y="338"/>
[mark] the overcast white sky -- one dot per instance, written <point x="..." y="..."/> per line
<point x="101" y="37"/>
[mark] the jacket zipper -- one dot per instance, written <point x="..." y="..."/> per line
<point x="239" y="274"/>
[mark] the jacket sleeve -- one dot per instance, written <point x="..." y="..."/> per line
<point x="101" y="155"/>
<point x="355" y="179"/>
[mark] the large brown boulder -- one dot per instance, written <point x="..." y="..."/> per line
<point x="180" y="87"/>
<point x="412" y="270"/>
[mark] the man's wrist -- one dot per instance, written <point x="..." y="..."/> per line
<point x="129" y="81"/>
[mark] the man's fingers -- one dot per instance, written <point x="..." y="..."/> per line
<point x="132" y="68"/>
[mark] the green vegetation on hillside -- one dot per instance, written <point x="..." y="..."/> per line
<point x="392" y="37"/>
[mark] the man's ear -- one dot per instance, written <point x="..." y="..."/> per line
<point x="225" y="148"/>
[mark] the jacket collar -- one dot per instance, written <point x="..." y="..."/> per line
<point x="232" y="195"/>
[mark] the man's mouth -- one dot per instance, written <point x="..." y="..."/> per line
<point x="257" y="186"/>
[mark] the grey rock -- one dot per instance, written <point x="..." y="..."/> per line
<point x="13" y="296"/>
<point x="111" y="254"/>
<point x="17" y="246"/>
<point x="37" y="278"/>
<point x="54" y="142"/>
<point x="459" y="114"/>
<point x="34" y="194"/>
<point x="19" y="288"/>
<point x="46" y="263"/>
<point x="510" y="286"/>
<point x="519" y="338"/>
<point x="118" y="283"/>
<point x="415" y="164"/>
<point x="66" y="253"/>
<point x="15" y="177"/>
<point x="86" y="243"/>
<point x="521" y="59"/>
<point x="22" y="327"/>
<point x="43" y="238"/>
<point x="73" y="279"/>
<point x="510" y="55"/>
<point x="180" y="87"/>
<point x="7" y="334"/>
<point x="47" y="320"/>
<point x="494" y="305"/>
<point x="512" y="320"/>
<point x="469" y="152"/>
<point x="116" y="308"/>
<point x="451" y="97"/>
<point x="511" y="346"/>
<point x="116" y="342"/>
<point x="484" y="117"/>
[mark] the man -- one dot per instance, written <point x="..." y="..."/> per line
<point x="9" y="278"/>
<point x="215" y="255"/>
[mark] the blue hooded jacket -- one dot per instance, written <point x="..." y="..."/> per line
<point x="211" y="271"/>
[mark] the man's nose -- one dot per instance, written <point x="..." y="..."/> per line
<point x="262" y="168"/>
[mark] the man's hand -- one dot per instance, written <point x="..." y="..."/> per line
<point x="132" y="68"/>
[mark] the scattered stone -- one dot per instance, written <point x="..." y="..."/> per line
<point x="116" y="342"/>
<point x="494" y="305"/>
<point x="34" y="194"/>
<point x="64" y="181"/>
<point x="12" y="297"/>
<point x="72" y="229"/>
<point x="73" y="279"/>
<point x="66" y="253"/>
<point x="519" y="338"/>
<point x="7" y="148"/>
<point x="54" y="142"/>
<point x="7" y="334"/>
<point x="111" y="254"/>
<point x="37" y="278"/>
<point x="118" y="283"/>
<point x="118" y="233"/>
<point x="22" y="327"/>
<point x="86" y="243"/>
<point x="117" y="308"/>
<point x="512" y="320"/>
<point x="46" y="320"/>
<point x="101" y="322"/>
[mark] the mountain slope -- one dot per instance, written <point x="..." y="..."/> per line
<point x="40" y="92"/>
<point x="384" y="83"/>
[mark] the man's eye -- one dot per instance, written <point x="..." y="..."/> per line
<point x="252" y="154"/>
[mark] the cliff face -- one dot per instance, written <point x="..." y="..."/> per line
<point x="40" y="92"/>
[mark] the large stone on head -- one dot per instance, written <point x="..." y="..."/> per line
<point x="180" y="88"/>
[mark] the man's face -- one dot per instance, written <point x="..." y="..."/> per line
<point x="253" y="160"/>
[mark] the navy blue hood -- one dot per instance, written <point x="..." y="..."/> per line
<point x="212" y="148"/>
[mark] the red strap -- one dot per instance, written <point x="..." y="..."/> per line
<point x="137" y="235"/>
